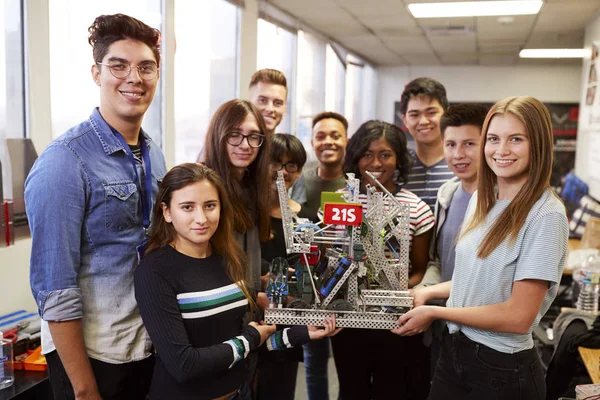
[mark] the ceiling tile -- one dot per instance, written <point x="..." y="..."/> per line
<point x="414" y="44"/>
<point x="367" y="8"/>
<point x="555" y="40"/>
<point x="459" y="59"/>
<point x="384" y="31"/>
<point x="453" y="44"/>
<point x="422" y="59"/>
<point x="498" y="59"/>
<point x="390" y="23"/>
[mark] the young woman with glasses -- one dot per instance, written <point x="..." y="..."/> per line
<point x="237" y="148"/>
<point x="509" y="260"/>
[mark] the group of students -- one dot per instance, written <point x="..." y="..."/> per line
<point x="150" y="281"/>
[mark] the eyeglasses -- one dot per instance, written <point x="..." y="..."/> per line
<point x="121" y="70"/>
<point x="254" y="139"/>
<point x="289" y="167"/>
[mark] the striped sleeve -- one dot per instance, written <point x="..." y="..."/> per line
<point x="163" y="319"/>
<point x="537" y="260"/>
<point x="240" y="347"/>
<point x="287" y="338"/>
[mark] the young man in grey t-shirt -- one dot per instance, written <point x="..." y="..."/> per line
<point x="461" y="130"/>
<point x="461" y="134"/>
<point x="329" y="139"/>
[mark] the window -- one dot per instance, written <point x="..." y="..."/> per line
<point x="12" y="98"/>
<point x="310" y="84"/>
<point x="73" y="92"/>
<point x="360" y="93"/>
<point x="354" y="76"/>
<point x="368" y="93"/>
<point x="206" y="58"/>
<point x="335" y="82"/>
<point x="277" y="50"/>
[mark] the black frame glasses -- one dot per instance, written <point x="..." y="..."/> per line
<point x="277" y="166"/>
<point x="121" y="70"/>
<point x="254" y="139"/>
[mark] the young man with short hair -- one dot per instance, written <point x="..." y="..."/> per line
<point x="329" y="139"/>
<point x="268" y="91"/>
<point x="422" y="103"/>
<point x="89" y="198"/>
<point x="461" y="131"/>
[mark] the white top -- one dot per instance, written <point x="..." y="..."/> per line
<point x="538" y="253"/>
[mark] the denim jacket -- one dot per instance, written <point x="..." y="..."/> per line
<point x="84" y="207"/>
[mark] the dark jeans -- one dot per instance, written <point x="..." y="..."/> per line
<point x="469" y="370"/>
<point x="376" y="364"/>
<point x="129" y="381"/>
<point x="277" y="372"/>
<point x="248" y="389"/>
<point x="316" y="357"/>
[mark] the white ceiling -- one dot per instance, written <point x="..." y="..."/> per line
<point x="385" y="33"/>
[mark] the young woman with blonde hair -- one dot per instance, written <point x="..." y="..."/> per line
<point x="509" y="260"/>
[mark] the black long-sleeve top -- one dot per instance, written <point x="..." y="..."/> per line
<point x="193" y="313"/>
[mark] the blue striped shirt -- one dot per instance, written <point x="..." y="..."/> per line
<point x="425" y="181"/>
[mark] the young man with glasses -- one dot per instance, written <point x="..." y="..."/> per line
<point x="89" y="198"/>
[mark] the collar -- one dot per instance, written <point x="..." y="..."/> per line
<point x="104" y="131"/>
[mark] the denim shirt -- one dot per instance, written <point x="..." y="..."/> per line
<point x="84" y="207"/>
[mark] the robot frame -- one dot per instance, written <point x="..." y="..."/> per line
<point x="356" y="253"/>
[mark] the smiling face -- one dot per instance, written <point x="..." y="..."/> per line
<point x="243" y="155"/>
<point x="507" y="152"/>
<point x="194" y="212"/>
<point x="127" y="99"/>
<point x="271" y="101"/>
<point x="289" y="177"/>
<point x="422" y="119"/>
<point x="380" y="160"/>
<point x="329" y="141"/>
<point x="462" y="152"/>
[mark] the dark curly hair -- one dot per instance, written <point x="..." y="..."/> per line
<point x="107" y="29"/>
<point x="373" y="130"/>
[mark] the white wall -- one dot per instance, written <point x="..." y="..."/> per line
<point x="482" y="84"/>
<point x="14" y="267"/>
<point x="592" y="33"/>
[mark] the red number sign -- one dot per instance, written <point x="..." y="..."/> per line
<point x="342" y="214"/>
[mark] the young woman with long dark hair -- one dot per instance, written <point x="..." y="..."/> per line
<point x="192" y="294"/>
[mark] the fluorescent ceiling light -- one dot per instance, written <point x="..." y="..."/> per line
<point x="552" y="53"/>
<point x="475" y="8"/>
